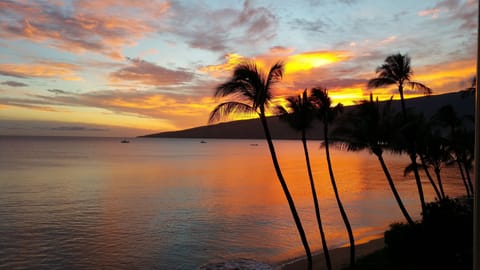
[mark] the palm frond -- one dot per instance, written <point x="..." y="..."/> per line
<point x="234" y="87"/>
<point x="246" y="71"/>
<point x="420" y="86"/>
<point x="281" y="111"/>
<point x="275" y="74"/>
<point x="380" y="82"/>
<point x="226" y="108"/>
<point x="300" y="112"/>
<point x="409" y="169"/>
<point x="323" y="105"/>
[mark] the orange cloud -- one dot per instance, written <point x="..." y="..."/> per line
<point x="43" y="69"/>
<point x="144" y="103"/>
<point x="446" y="76"/>
<point x="90" y="26"/>
<point x="231" y="60"/>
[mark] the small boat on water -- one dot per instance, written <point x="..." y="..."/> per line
<point x="202" y="141"/>
<point x="125" y="141"/>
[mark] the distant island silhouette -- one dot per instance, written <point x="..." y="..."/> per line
<point x="252" y="129"/>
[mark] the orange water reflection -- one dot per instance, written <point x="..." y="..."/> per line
<point x="158" y="203"/>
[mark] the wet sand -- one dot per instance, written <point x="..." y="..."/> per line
<point x="340" y="257"/>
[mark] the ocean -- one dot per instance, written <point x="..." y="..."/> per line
<point x="95" y="203"/>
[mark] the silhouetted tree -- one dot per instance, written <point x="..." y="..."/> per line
<point x="370" y="127"/>
<point x="397" y="71"/>
<point x="300" y="115"/>
<point x="458" y="140"/>
<point x="251" y="91"/>
<point x="411" y="130"/>
<point x="470" y="91"/>
<point x="326" y="113"/>
<point x="434" y="154"/>
<point x="422" y="140"/>
<point x="463" y="152"/>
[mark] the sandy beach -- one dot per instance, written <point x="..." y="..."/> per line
<point x="339" y="256"/>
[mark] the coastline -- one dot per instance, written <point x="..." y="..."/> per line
<point x="340" y="257"/>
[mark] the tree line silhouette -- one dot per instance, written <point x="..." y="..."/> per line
<point x="431" y="144"/>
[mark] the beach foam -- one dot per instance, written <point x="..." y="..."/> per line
<point x="239" y="264"/>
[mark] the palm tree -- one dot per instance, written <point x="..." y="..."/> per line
<point x="463" y="152"/>
<point x="251" y="91"/>
<point x="300" y="117"/>
<point x="408" y="140"/>
<point x="397" y="71"/>
<point x="435" y="154"/>
<point x="457" y="139"/>
<point x="423" y="142"/>
<point x="370" y="127"/>
<point x="326" y="113"/>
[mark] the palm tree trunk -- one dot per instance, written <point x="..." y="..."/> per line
<point x="430" y="179"/>
<point x="315" y="201"/>
<point x="291" y="203"/>
<point x="439" y="179"/>
<point x="337" y="197"/>
<point x="463" y="178"/>
<point x="402" y="100"/>
<point x="413" y="159"/>
<point x="469" y="179"/>
<point x="412" y="152"/>
<point x="394" y="189"/>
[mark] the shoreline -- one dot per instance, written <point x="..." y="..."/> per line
<point x="340" y="257"/>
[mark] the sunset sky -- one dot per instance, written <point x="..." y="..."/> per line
<point x="128" y="68"/>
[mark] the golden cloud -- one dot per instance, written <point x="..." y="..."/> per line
<point x="231" y="60"/>
<point x="311" y="60"/>
<point x="295" y="63"/>
<point x="443" y="75"/>
<point x="64" y="71"/>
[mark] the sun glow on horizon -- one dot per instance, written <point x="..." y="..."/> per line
<point x="310" y="60"/>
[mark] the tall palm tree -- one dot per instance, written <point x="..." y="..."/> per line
<point x="409" y="137"/>
<point x="251" y="92"/>
<point x="370" y="127"/>
<point x="397" y="71"/>
<point x="326" y="113"/>
<point x="300" y="115"/>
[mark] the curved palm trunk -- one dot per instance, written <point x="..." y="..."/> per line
<point x="430" y="179"/>
<point x="439" y="179"/>
<point x="417" y="179"/>
<point x="337" y="197"/>
<point x="394" y="190"/>
<point x="315" y="201"/>
<point x="469" y="179"/>
<point x="291" y="204"/>
<point x="463" y="178"/>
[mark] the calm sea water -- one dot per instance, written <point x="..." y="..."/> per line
<point x="90" y="203"/>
